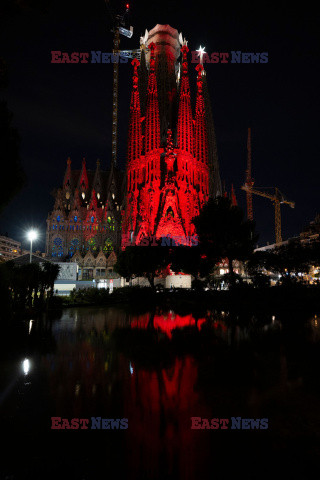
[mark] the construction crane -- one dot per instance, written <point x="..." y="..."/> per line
<point x="249" y="180"/>
<point x="118" y="28"/>
<point x="276" y="196"/>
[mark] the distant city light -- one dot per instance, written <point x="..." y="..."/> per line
<point x="26" y="366"/>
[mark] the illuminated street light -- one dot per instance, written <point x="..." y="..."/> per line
<point x="32" y="235"/>
<point x="26" y="366"/>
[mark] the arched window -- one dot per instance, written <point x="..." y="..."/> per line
<point x="110" y="225"/>
<point x="58" y="218"/>
<point x="74" y="246"/>
<point x="108" y="247"/>
<point x="57" y="247"/>
<point x="92" y="244"/>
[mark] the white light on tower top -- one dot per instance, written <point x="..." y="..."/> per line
<point x="201" y="51"/>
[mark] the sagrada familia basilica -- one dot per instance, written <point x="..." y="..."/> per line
<point x="171" y="167"/>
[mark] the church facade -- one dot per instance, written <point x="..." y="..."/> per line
<point x="172" y="165"/>
<point x="85" y="223"/>
<point x="171" y="169"/>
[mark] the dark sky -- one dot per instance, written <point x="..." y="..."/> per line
<point x="63" y="110"/>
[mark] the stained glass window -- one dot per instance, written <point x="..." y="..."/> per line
<point x="74" y="246"/>
<point x="58" y="218"/>
<point x="92" y="244"/>
<point x="108" y="248"/>
<point x="57" y="247"/>
<point x="110" y="225"/>
<point x="75" y="218"/>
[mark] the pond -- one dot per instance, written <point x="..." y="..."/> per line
<point x="118" y="393"/>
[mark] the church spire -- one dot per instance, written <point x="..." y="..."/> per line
<point x="152" y="133"/>
<point x="234" y="202"/>
<point x="201" y="140"/>
<point x="134" y="135"/>
<point x="83" y="183"/>
<point x="185" y="122"/>
<point x="201" y="146"/>
<point x="67" y="175"/>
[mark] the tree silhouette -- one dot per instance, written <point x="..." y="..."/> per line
<point x="145" y="261"/>
<point x="224" y="233"/>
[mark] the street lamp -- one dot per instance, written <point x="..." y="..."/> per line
<point x="32" y="235"/>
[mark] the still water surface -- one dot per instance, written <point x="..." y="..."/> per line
<point x="158" y="369"/>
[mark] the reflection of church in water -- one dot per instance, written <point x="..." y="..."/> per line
<point x="171" y="170"/>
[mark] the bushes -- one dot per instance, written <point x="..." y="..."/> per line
<point x="26" y="287"/>
<point x="101" y="296"/>
<point x="96" y="296"/>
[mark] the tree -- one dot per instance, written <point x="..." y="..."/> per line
<point x="287" y="261"/>
<point x="51" y="272"/>
<point x="224" y="233"/>
<point x="146" y="261"/>
<point x="189" y="260"/>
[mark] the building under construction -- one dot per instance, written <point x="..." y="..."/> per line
<point x="171" y="168"/>
<point x="172" y="165"/>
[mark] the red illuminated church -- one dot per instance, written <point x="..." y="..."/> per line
<point x="172" y="165"/>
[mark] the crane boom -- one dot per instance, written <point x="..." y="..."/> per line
<point x="277" y="199"/>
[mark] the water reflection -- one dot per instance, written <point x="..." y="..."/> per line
<point x="158" y="369"/>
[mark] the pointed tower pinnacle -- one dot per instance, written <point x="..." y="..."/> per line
<point x="152" y="133"/>
<point x="83" y="183"/>
<point x="185" y="121"/>
<point x="67" y="176"/>
<point x="201" y="145"/>
<point x="234" y="202"/>
<point x="134" y="134"/>
<point x="97" y="181"/>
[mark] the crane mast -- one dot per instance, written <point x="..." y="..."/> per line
<point x="118" y="27"/>
<point x="249" y="180"/>
<point x="116" y="44"/>
<point x="277" y="197"/>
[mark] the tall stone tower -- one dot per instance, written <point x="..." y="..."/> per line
<point x="172" y="167"/>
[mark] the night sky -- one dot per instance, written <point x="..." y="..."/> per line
<point x="63" y="110"/>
